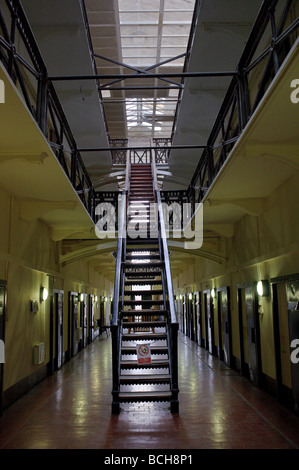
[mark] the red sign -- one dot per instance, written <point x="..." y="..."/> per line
<point x="144" y="354"/>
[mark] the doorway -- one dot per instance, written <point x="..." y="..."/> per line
<point x="244" y="369"/>
<point x="209" y="322"/>
<point x="286" y="338"/>
<point x="73" y="324"/>
<point x="224" y="326"/>
<point x="91" y="318"/>
<point x="249" y="320"/>
<point x="2" y="336"/>
<point x="56" y="358"/>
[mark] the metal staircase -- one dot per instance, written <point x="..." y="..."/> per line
<point x="144" y="314"/>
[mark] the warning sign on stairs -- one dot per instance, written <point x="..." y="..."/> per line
<point x="144" y="354"/>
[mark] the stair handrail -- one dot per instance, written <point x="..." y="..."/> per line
<point x="119" y="291"/>
<point x="172" y="321"/>
<point x="161" y="221"/>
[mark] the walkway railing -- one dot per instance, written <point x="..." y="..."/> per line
<point x="20" y="55"/>
<point x="274" y="36"/>
<point x="119" y="293"/>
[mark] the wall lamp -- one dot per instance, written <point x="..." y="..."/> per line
<point x="263" y="288"/>
<point x="81" y="297"/>
<point x="213" y="293"/>
<point x="43" y="294"/>
<point x="96" y="298"/>
<point x="190" y="296"/>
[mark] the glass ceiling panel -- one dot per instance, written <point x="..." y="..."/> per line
<point x="152" y="31"/>
<point x="139" y="18"/>
<point x="138" y="5"/>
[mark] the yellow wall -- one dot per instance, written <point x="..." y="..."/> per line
<point x="263" y="247"/>
<point x="27" y="257"/>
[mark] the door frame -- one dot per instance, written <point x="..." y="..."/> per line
<point x="4" y="285"/>
<point x="219" y="290"/>
<point x="244" y="371"/>
<point x="72" y="348"/>
<point x="57" y="365"/>
<point x="91" y="313"/>
<point x="282" y="394"/>
<point x="209" y="322"/>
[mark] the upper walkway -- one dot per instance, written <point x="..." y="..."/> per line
<point x="218" y="410"/>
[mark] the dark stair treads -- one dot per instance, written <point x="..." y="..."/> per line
<point x="145" y="379"/>
<point x="143" y="302"/>
<point x="138" y="313"/>
<point x="131" y="397"/>
<point x="146" y="282"/>
<point x="131" y="350"/>
<point x="144" y="324"/>
<point x="155" y="364"/>
<point x="143" y="292"/>
<point x="133" y="256"/>
<point x="143" y="336"/>
<point x="154" y="264"/>
<point x="144" y="241"/>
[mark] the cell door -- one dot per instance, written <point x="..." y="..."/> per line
<point x="73" y="323"/>
<point x="243" y="333"/>
<point x="91" y="319"/>
<point x="200" y="331"/>
<point x="226" y="325"/>
<point x="292" y="289"/>
<point x="282" y="343"/>
<point x="209" y="322"/>
<point x="2" y="338"/>
<point x="83" y="322"/>
<point x="253" y="336"/>
<point x="58" y="312"/>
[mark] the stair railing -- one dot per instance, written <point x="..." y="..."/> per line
<point x="119" y="291"/>
<point x="172" y="321"/>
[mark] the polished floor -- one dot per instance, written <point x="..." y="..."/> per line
<point x="218" y="410"/>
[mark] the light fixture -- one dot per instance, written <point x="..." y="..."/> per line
<point x="213" y="293"/>
<point x="81" y="297"/>
<point x="190" y="296"/>
<point x="181" y="297"/>
<point x="96" y="298"/>
<point x="263" y="288"/>
<point x="106" y="298"/>
<point x="43" y="294"/>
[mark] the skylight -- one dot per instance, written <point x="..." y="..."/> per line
<point x="151" y="32"/>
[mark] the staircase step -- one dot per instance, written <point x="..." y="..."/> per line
<point x="140" y="282"/>
<point x="144" y="336"/>
<point x="142" y="256"/>
<point x="144" y="379"/>
<point x="138" y="313"/>
<point x="125" y="351"/>
<point x="155" y="264"/>
<point x="156" y="364"/>
<point x="142" y="250"/>
<point x="131" y="397"/>
<point x="143" y="302"/>
<point x="144" y="324"/>
<point x="144" y="292"/>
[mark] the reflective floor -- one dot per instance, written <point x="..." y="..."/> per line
<point x="218" y="410"/>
